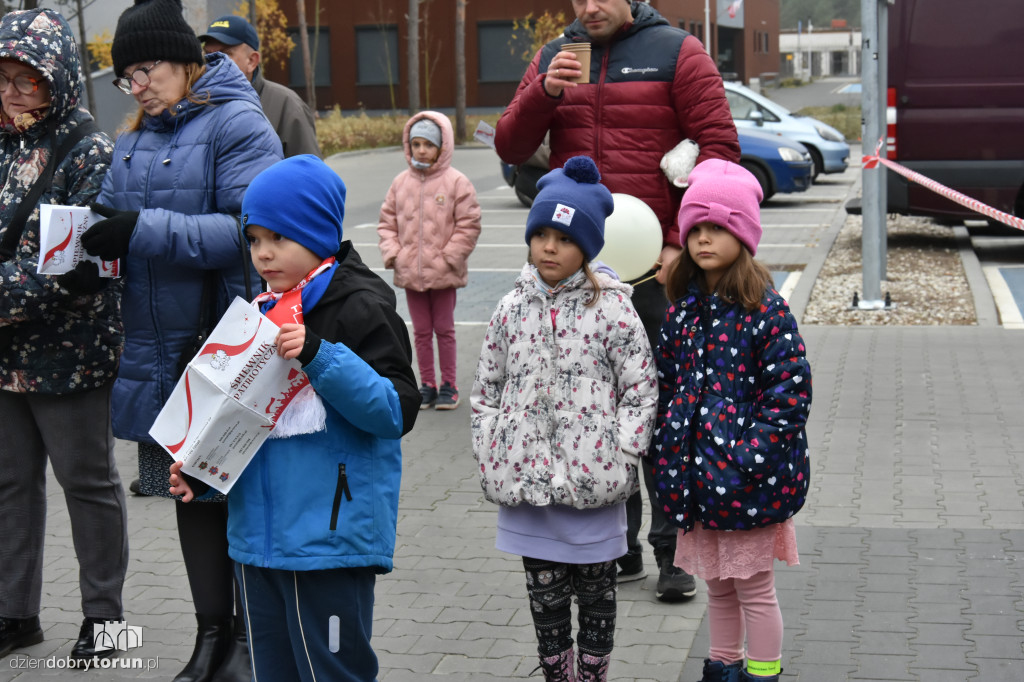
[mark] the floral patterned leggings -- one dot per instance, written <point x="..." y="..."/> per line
<point x="551" y="586"/>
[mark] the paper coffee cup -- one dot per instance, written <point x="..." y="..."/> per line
<point x="582" y="51"/>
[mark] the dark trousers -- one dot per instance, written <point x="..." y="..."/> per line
<point x="650" y="302"/>
<point x="73" y="431"/>
<point x="309" y="625"/>
<point x="552" y="585"/>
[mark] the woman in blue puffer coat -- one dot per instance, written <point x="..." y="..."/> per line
<point x="172" y="202"/>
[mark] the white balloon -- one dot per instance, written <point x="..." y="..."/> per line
<point x="632" y="238"/>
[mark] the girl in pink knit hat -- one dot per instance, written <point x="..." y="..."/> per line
<point x="730" y="452"/>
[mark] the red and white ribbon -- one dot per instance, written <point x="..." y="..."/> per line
<point x="951" y="194"/>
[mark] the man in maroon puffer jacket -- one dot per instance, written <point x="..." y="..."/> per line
<point x="651" y="86"/>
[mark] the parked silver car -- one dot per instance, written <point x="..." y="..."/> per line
<point x="827" y="146"/>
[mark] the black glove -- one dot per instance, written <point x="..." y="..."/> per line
<point x="83" y="280"/>
<point x="109" y="238"/>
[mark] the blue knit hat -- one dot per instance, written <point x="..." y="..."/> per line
<point x="300" y="198"/>
<point x="572" y="200"/>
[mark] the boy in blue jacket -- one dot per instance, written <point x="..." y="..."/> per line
<point x="312" y="519"/>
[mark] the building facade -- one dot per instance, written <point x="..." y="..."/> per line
<point x="360" y="49"/>
<point x="816" y="54"/>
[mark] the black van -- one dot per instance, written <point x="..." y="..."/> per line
<point x="956" y="104"/>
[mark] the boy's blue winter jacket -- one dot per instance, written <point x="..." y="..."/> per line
<point x="185" y="174"/>
<point x="730" y="450"/>
<point x="330" y="499"/>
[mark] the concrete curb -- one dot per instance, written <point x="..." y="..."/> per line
<point x="802" y="291"/>
<point x="984" y="302"/>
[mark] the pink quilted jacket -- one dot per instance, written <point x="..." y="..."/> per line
<point x="430" y="219"/>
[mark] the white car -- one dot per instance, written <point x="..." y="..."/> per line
<point x="828" y="148"/>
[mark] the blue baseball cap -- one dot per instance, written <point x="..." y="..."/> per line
<point x="232" y="30"/>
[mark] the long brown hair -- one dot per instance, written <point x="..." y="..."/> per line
<point x="193" y="72"/>
<point x="744" y="282"/>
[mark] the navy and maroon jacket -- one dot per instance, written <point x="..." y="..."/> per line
<point x="730" y="447"/>
<point x="651" y="87"/>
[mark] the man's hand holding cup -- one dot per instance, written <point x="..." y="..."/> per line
<point x="569" y="68"/>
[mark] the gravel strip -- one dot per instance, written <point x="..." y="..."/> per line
<point x="926" y="279"/>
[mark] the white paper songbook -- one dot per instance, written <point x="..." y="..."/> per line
<point x="229" y="398"/>
<point x="60" y="240"/>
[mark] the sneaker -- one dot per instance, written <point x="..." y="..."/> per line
<point x="447" y="397"/>
<point x="428" y="396"/>
<point x="674" y="584"/>
<point x="16" y="633"/>
<point x="631" y="567"/>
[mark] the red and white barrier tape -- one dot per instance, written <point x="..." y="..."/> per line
<point x="951" y="194"/>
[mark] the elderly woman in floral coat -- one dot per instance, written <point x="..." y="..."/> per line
<point x="60" y="338"/>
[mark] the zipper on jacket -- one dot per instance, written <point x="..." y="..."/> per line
<point x="342" y="487"/>
<point x="597" y="102"/>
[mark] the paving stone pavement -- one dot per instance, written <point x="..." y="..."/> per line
<point x="911" y="541"/>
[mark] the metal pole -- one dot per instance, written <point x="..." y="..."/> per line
<point x="883" y="108"/>
<point x="872" y="213"/>
<point x="707" y="26"/>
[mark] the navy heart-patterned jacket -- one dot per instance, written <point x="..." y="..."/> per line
<point x="730" y="448"/>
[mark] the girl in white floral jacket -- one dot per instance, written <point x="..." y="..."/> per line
<point x="564" y="402"/>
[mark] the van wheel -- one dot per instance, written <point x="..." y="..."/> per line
<point x="762" y="179"/>
<point x="817" y="164"/>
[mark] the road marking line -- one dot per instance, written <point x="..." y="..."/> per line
<point x="790" y="284"/>
<point x="1009" y="313"/>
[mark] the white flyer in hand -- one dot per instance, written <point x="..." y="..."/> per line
<point x="484" y="133"/>
<point x="229" y="398"/>
<point x="60" y="240"/>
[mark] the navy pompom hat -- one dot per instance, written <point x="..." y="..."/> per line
<point x="310" y="211"/>
<point x="572" y="200"/>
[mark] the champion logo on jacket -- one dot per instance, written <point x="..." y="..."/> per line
<point x="626" y="70"/>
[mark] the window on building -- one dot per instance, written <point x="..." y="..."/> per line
<point x="319" y="55"/>
<point x="764" y="43"/>
<point x="502" y="52"/>
<point x="376" y="55"/>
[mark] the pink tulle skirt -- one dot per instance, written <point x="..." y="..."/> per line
<point x="718" y="554"/>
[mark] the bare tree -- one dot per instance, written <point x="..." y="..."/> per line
<point x="86" y="59"/>
<point x="428" y="62"/>
<point x="382" y="22"/>
<point x="307" y="65"/>
<point x="460" y="71"/>
<point x="413" y="56"/>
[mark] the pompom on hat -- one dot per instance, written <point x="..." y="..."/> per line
<point x="315" y="205"/>
<point x="572" y="200"/>
<point x="726" y="194"/>
<point x="152" y="30"/>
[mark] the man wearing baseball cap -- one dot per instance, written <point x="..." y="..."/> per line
<point x="291" y="118"/>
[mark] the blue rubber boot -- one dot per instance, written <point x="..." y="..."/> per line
<point x="716" y="671"/>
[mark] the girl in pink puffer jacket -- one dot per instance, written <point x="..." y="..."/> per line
<point x="428" y="226"/>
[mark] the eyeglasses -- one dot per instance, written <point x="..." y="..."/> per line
<point x="26" y="85"/>
<point x="139" y="75"/>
